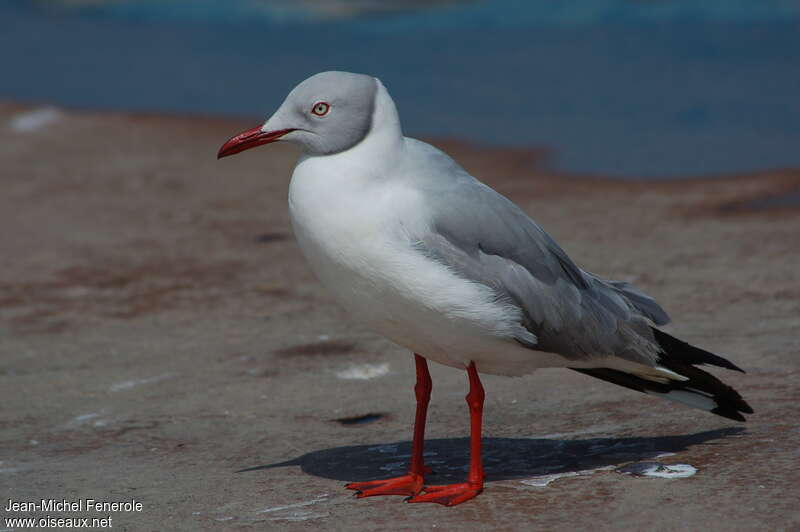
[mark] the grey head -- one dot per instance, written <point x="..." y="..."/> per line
<point x="328" y="113"/>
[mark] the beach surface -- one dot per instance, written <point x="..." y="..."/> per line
<point x="160" y="332"/>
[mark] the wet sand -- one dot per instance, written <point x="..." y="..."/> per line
<point x="160" y="331"/>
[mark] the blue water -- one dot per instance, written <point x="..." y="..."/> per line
<point x="613" y="87"/>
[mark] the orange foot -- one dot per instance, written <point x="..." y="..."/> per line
<point x="408" y="485"/>
<point x="450" y="494"/>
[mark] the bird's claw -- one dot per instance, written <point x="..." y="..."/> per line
<point x="448" y="495"/>
<point x="408" y="485"/>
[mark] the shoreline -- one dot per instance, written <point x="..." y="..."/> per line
<point x="537" y="155"/>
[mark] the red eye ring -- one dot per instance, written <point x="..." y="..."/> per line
<point x="321" y="108"/>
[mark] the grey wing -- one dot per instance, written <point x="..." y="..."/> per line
<point x="484" y="237"/>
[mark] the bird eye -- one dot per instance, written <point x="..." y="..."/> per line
<point x="321" y="108"/>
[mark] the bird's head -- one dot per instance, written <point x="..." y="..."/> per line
<point x="328" y="113"/>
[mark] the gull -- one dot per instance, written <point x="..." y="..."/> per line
<point x="421" y="252"/>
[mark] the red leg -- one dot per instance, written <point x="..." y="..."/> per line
<point x="411" y="483"/>
<point x="452" y="494"/>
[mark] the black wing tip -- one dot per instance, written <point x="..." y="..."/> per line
<point x="683" y="359"/>
<point x="727" y="401"/>
<point x="730" y="413"/>
<point x="680" y="351"/>
<point x="733" y="407"/>
<point x="723" y="363"/>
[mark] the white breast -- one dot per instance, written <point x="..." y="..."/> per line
<point x="357" y="236"/>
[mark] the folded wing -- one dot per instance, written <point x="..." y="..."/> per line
<point x="482" y="236"/>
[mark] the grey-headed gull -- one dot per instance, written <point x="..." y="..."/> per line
<point x="423" y="253"/>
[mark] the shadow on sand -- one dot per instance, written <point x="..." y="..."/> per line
<point x="503" y="458"/>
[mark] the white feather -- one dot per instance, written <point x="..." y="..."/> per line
<point x="688" y="398"/>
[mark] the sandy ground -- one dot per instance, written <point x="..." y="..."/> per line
<point x="160" y="331"/>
